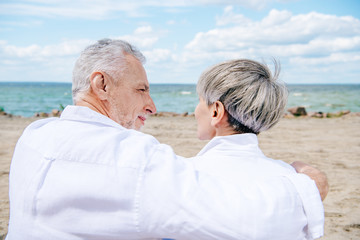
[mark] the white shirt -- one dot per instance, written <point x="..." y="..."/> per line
<point x="276" y="203"/>
<point x="83" y="176"/>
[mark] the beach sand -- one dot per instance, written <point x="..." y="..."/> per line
<point x="332" y="145"/>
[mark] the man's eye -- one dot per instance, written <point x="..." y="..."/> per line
<point x="142" y="90"/>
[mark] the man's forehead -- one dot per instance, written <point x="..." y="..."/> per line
<point x="135" y="72"/>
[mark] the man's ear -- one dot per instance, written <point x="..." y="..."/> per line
<point x="218" y="113"/>
<point x="98" y="84"/>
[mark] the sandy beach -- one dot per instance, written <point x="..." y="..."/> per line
<point x="331" y="144"/>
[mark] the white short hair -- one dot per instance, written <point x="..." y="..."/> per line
<point x="254" y="98"/>
<point x="106" y="55"/>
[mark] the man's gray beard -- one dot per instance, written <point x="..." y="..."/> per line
<point x="130" y="125"/>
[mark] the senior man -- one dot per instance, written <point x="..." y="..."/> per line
<point x="90" y="175"/>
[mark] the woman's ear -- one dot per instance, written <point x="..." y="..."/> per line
<point x="218" y="113"/>
<point x="98" y="84"/>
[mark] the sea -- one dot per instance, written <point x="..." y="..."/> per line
<point x="28" y="98"/>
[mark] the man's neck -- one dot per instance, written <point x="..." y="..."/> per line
<point x="94" y="104"/>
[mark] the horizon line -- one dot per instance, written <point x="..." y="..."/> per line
<point x="349" y="83"/>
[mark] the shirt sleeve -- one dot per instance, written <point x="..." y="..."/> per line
<point x="312" y="204"/>
<point x="172" y="202"/>
<point x="175" y="200"/>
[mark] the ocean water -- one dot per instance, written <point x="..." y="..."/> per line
<point x="25" y="99"/>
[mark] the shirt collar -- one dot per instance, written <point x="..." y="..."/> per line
<point x="85" y="114"/>
<point x="224" y="142"/>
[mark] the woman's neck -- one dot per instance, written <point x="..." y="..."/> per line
<point x="225" y="131"/>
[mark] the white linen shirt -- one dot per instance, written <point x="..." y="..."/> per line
<point x="276" y="203"/>
<point x="83" y="176"/>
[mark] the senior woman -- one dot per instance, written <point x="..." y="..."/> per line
<point x="238" y="100"/>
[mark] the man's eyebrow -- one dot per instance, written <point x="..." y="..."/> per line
<point x="144" y="86"/>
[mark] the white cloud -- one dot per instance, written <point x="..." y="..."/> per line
<point x="171" y="22"/>
<point x="158" y="55"/>
<point x="94" y="9"/>
<point x="310" y="42"/>
<point x="9" y="62"/>
<point x="276" y="17"/>
<point x="20" y="24"/>
<point x="100" y="9"/>
<point x="254" y="4"/>
<point x="333" y="58"/>
<point x="306" y="44"/>
<point x="143" y="37"/>
<point x="40" y="63"/>
<point x="58" y="59"/>
<point x="143" y="30"/>
<point x="279" y="34"/>
<point x="229" y="17"/>
<point x="36" y="52"/>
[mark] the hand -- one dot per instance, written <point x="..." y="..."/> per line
<point x="316" y="175"/>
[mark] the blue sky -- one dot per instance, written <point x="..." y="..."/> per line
<point x="315" y="41"/>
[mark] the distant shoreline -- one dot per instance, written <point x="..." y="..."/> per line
<point x="56" y="113"/>
<point x="28" y="98"/>
<point x="288" y="84"/>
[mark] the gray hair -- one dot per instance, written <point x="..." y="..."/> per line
<point x="106" y="55"/>
<point x="254" y="99"/>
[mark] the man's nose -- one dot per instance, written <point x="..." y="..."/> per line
<point x="150" y="107"/>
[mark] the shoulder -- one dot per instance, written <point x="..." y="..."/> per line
<point x="39" y="123"/>
<point x="88" y="141"/>
<point x="36" y="125"/>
